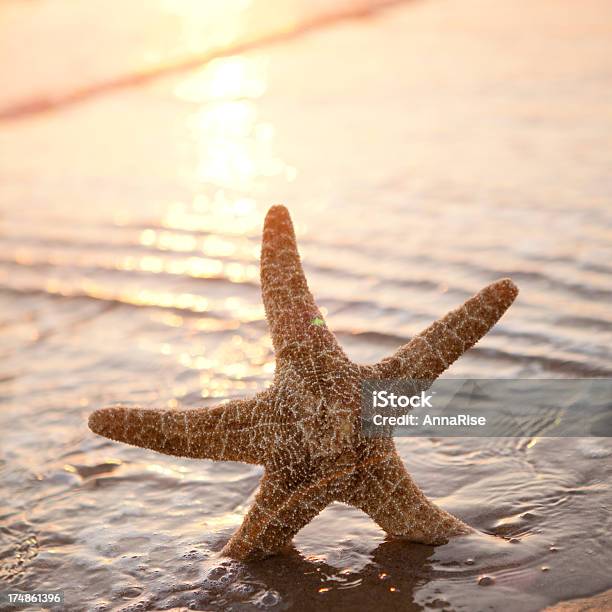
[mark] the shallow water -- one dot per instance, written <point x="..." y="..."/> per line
<point x="423" y="151"/>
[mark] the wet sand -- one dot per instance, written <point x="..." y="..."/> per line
<point x="603" y="601"/>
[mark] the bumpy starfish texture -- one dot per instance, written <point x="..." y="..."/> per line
<point x="305" y="429"/>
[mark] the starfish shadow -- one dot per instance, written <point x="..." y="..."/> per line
<point x="396" y="569"/>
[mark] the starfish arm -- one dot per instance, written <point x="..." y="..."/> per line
<point x="277" y="514"/>
<point x="386" y="492"/>
<point x="227" y="432"/>
<point x="427" y="355"/>
<point x="295" y="321"/>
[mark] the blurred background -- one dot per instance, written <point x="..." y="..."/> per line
<point x="424" y="149"/>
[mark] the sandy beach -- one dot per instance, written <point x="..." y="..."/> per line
<point x="424" y="149"/>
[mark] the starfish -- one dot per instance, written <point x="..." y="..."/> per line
<point x="305" y="429"/>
